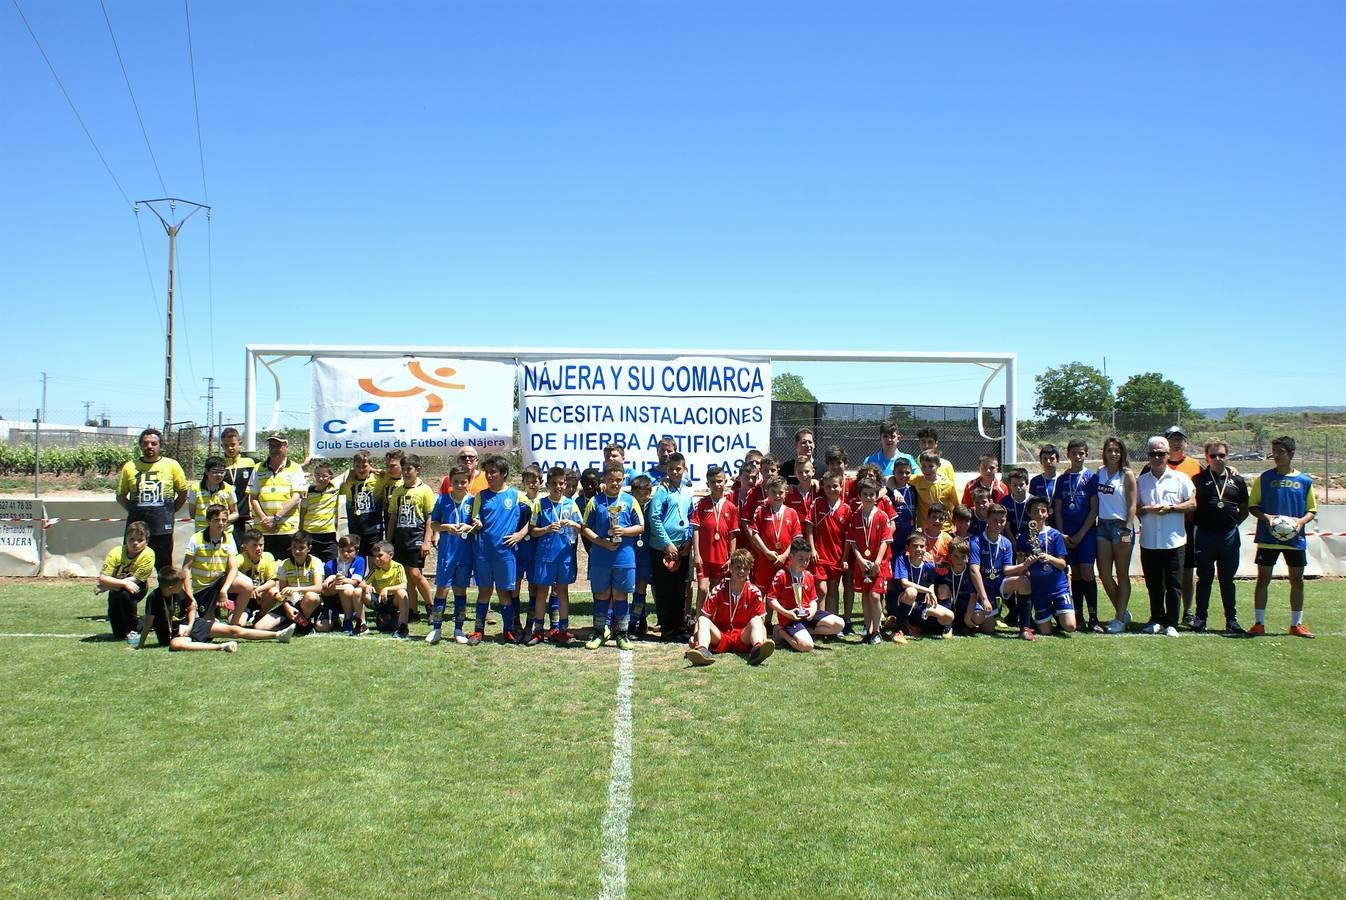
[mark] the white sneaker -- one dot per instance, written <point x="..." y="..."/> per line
<point x="1170" y="631"/>
<point x="229" y="646"/>
<point x="134" y="640"/>
<point x="285" y="633"/>
<point x="1116" y="626"/>
<point x="433" y="637"/>
<point x="1152" y="628"/>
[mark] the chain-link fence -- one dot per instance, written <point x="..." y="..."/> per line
<point x="855" y="428"/>
<point x="1320" y="438"/>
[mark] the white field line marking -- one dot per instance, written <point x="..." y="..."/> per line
<point x="613" y="882"/>
<point x="36" y="635"/>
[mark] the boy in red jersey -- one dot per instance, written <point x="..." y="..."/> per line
<point x="799" y="497"/>
<point x="775" y="527"/>
<point x="715" y="530"/>
<point x="868" y="537"/>
<point x="732" y="618"/>
<point x="826" y="534"/>
<point x="794" y="599"/>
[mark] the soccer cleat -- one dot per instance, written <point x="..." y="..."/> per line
<point x="556" y="637"/>
<point x="230" y="646"/>
<point x="349" y="628"/>
<point x="1198" y="625"/>
<point x="889" y="624"/>
<point x="947" y="633"/>
<point x="607" y="632"/>
<point x="599" y="638"/>
<point x="1116" y="626"/>
<point x="509" y="637"/>
<point x="849" y="630"/>
<point x="1301" y="630"/>
<point x="402" y="633"/>
<point x="1189" y="621"/>
<point x="459" y="637"/>
<point x="1153" y="628"/>
<point x="361" y="628"/>
<point x="1233" y="627"/>
<point x="285" y="633"/>
<point x="1257" y="630"/>
<point x="133" y="639"/>
<point x="1027" y="634"/>
<point x="533" y="639"/>
<point x="624" y="642"/>
<point x="474" y="639"/>
<point x="899" y="637"/>
<point x="760" y="652"/>
<point x="1170" y="631"/>
<point x="698" y="656"/>
<point x="433" y="637"/>
<point x="871" y="639"/>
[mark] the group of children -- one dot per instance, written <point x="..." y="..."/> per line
<point x="774" y="560"/>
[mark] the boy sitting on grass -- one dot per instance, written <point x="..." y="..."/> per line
<point x="732" y="618"/>
<point x="388" y="587"/>
<point x="171" y="610"/>
<point x="794" y="597"/>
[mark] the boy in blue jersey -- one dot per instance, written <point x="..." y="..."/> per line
<point x="452" y="518"/>
<point x="526" y="552"/>
<point x="1282" y="491"/>
<point x="1075" y="512"/>
<point x="499" y="520"/>
<point x="1016" y="503"/>
<point x="954" y="586"/>
<point x="902" y="499"/>
<point x="612" y="522"/>
<point x="1044" y="483"/>
<point x="1042" y="554"/>
<point x="991" y="557"/>
<point x="911" y="599"/>
<point x="555" y="528"/>
<point x="642" y="489"/>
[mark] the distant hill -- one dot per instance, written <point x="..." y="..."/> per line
<point x="1218" y="412"/>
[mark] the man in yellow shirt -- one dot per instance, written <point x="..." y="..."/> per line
<point x="152" y="489"/>
<point x="276" y="488"/>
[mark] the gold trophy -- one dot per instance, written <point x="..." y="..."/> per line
<point x="1036" y="539"/>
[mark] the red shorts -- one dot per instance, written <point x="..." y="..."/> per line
<point x="731" y="639"/>
<point x="713" y="572"/>
<point x="824" y="572"/>
<point x="863" y="583"/>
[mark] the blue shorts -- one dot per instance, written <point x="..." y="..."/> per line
<point x="644" y="569"/>
<point x="964" y="603"/>
<point x="605" y="578"/>
<point x="810" y="623"/>
<point x="1086" y="552"/>
<point x="558" y="570"/>
<point x="525" y="555"/>
<point x="1045" y="608"/>
<point x="495" y="571"/>
<point x="452" y="574"/>
<point x="1110" y="531"/>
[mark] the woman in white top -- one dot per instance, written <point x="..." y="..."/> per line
<point x="1116" y="510"/>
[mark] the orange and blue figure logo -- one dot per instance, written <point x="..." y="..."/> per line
<point x="431" y="384"/>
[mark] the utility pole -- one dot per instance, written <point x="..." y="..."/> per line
<point x="209" y="397"/>
<point x="43" y="413"/>
<point x="172" y="225"/>
<point x="88" y="405"/>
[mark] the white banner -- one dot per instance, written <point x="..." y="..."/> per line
<point x="715" y="407"/>
<point x="429" y="406"/>
<point x="19" y="536"/>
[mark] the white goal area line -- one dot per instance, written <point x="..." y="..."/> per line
<point x="613" y="878"/>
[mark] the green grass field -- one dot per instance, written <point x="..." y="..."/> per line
<point x="1202" y="766"/>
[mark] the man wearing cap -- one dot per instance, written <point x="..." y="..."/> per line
<point x="276" y="488"/>
<point x="151" y="489"/>
<point x="1179" y="461"/>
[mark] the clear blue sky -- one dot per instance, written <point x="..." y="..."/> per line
<point x="1157" y="183"/>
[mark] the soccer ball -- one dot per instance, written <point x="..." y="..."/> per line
<point x="1283" y="528"/>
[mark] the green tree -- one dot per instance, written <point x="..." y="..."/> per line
<point x="790" y="388"/>
<point x="1151" y="392"/>
<point x="1070" y="392"/>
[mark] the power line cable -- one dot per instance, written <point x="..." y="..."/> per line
<point x="149" y="274"/>
<point x="71" y="102"/>
<point x="205" y="191"/>
<point x="134" y="105"/>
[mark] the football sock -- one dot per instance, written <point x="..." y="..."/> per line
<point x="508" y="621"/>
<point x="554" y="607"/>
<point x="437" y="612"/>
<point x="1090" y="591"/>
<point x="1025" y="611"/>
<point x="481" y="616"/>
<point x="563" y="625"/>
<point x="621" y="613"/>
<point x="459" y="611"/>
<point x="1260" y="615"/>
<point x="1296" y="616"/>
<point x="601" y="610"/>
<point x="638" y="607"/>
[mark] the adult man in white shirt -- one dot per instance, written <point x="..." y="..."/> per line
<point x="1163" y="497"/>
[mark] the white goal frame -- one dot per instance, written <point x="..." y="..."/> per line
<point x="267" y="355"/>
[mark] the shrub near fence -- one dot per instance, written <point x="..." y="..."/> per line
<point x="91" y="459"/>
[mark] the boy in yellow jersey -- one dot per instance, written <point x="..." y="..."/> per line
<point x="277" y="486"/>
<point x="151" y="488"/>
<point x="237" y="474"/>
<point x="213" y="488"/>
<point x="388" y="590"/>
<point x="366" y="502"/>
<point x="172" y="611"/>
<point x="126" y="575"/>
<point x="299" y="578"/>
<point x="318" y="513"/>
<point x="409" y="529"/>
<point x="933" y="486"/>
<point x="929" y="440"/>
<point x="257" y="578"/>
